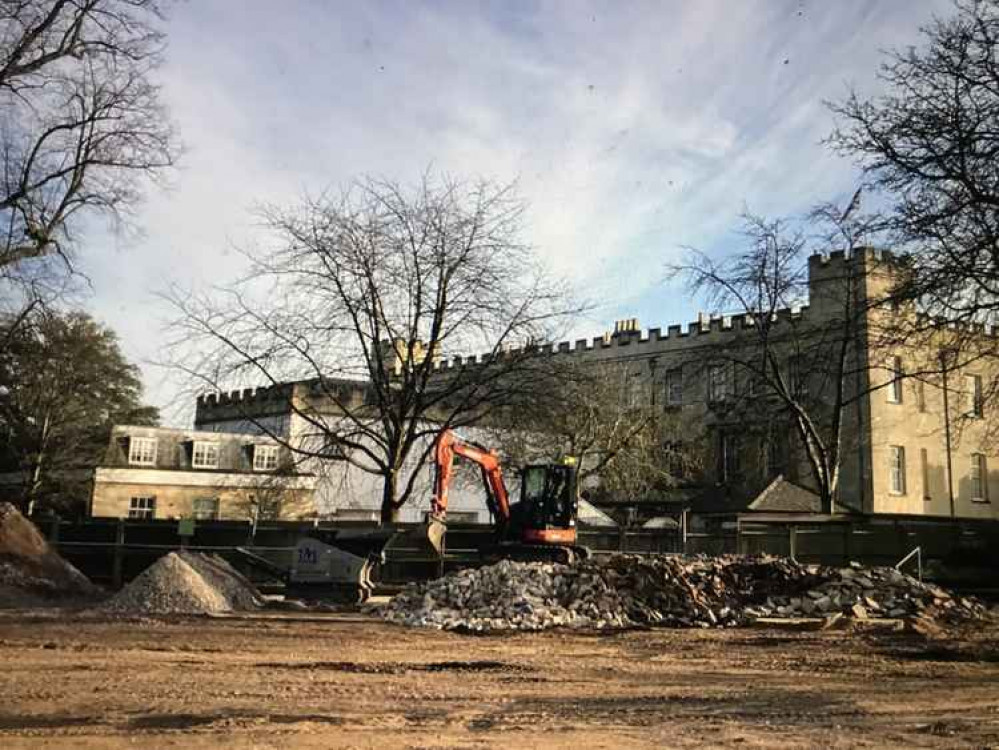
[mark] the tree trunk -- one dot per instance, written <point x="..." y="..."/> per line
<point x="390" y="509"/>
<point x="36" y="472"/>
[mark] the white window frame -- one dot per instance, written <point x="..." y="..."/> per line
<point x="265" y="457"/>
<point x="674" y="387"/>
<point x="205" y="448"/>
<point x="142" y="451"/>
<point x="142" y="507"/>
<point x="979" y="478"/>
<point x="896" y="469"/>
<point x="895" y="386"/>
<point x="199" y="513"/>
<point x="973" y="388"/>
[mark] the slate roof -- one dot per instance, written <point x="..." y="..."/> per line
<point x="782" y="496"/>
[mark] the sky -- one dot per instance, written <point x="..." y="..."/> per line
<point x="633" y="130"/>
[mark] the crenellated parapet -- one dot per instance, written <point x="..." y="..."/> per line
<point x="279" y="393"/>
<point x="627" y="340"/>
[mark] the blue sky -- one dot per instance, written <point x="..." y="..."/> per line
<point x="633" y="129"/>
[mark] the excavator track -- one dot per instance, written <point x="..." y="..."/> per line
<point x="547" y="553"/>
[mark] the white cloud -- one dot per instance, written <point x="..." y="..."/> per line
<point x="632" y="129"/>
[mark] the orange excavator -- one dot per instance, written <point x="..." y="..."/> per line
<point x="541" y="526"/>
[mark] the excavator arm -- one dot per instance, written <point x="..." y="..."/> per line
<point x="447" y="447"/>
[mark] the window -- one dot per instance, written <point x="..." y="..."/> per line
<point x="142" y="507"/>
<point x="206" y="508"/>
<point x="979" y="478"/>
<point x="776" y="464"/>
<point x="794" y="375"/>
<point x="265" y="457"/>
<point x="205" y="455"/>
<point x="729" y="458"/>
<point x="333" y="448"/>
<point x="636" y="391"/>
<point x="674" y="387"/>
<point x="921" y="395"/>
<point x="924" y="470"/>
<point x="895" y="386"/>
<point x="674" y="458"/>
<point x="896" y="469"/>
<point x="718" y="389"/>
<point x="973" y="392"/>
<point x="142" y="451"/>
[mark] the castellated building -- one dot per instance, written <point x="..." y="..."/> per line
<point x="913" y="439"/>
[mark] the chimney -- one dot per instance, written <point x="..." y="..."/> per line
<point x="626" y="327"/>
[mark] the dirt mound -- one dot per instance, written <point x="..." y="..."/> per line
<point x="31" y="572"/>
<point x="186" y="583"/>
<point x="670" y="591"/>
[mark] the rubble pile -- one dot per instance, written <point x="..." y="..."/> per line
<point x="863" y="593"/>
<point x="31" y="572"/>
<point x="185" y="583"/>
<point x="667" y="591"/>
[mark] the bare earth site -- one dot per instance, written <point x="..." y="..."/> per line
<point x="340" y="681"/>
<point x="751" y="652"/>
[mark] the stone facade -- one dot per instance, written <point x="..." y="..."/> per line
<point x="897" y="441"/>
<point x="155" y="472"/>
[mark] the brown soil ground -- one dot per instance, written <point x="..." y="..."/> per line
<point x="341" y="681"/>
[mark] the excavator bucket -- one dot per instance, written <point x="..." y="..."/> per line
<point x="425" y="539"/>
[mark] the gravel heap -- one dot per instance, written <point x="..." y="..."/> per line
<point x="31" y="572"/>
<point x="667" y="591"/>
<point x="185" y="583"/>
<point x="237" y="590"/>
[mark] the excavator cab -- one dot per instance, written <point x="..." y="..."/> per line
<point x="546" y="513"/>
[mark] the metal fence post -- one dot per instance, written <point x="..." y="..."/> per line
<point x="119" y="554"/>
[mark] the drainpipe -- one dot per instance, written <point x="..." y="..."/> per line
<point x="946" y="405"/>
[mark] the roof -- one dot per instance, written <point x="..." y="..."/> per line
<point x="590" y="515"/>
<point x="782" y="496"/>
<point x="661" y="522"/>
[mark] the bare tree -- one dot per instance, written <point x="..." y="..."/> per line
<point x="366" y="293"/>
<point x="81" y="128"/>
<point x="929" y="145"/>
<point x="605" y="416"/>
<point x="809" y="369"/>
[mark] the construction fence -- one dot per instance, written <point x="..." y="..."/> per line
<point x="113" y="551"/>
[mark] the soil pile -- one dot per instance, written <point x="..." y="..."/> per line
<point x="667" y="591"/>
<point x="186" y="583"/>
<point x="31" y="572"/>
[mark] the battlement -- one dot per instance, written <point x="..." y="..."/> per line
<point x="628" y="337"/>
<point x="629" y="340"/>
<point x="279" y="393"/>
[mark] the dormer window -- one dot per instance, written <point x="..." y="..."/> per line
<point x="265" y="457"/>
<point x="205" y="455"/>
<point x="142" y="451"/>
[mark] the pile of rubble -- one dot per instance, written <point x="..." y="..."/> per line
<point x="864" y="593"/>
<point x="31" y="572"/>
<point x="628" y="591"/>
<point x="186" y="583"/>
